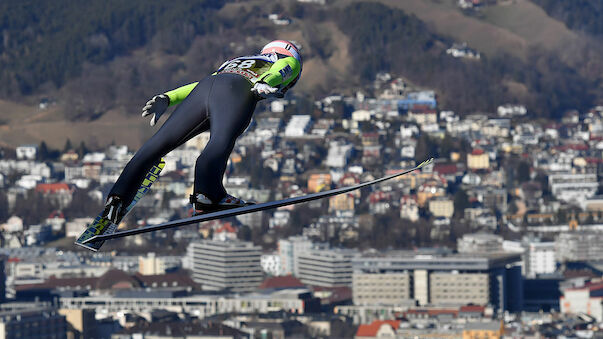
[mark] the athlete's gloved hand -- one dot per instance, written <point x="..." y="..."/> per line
<point x="264" y="90"/>
<point x="156" y="106"/>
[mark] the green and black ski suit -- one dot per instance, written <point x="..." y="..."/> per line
<point x="221" y="103"/>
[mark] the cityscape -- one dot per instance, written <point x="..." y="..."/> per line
<point x="500" y="237"/>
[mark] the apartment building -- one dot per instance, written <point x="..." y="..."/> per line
<point x="226" y="265"/>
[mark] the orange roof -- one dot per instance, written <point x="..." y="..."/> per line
<point x="371" y="329"/>
<point x="226" y="227"/>
<point x="52" y="188"/>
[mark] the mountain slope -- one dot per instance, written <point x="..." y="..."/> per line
<point x="528" y="57"/>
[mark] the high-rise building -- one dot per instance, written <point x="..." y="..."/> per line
<point x="328" y="268"/>
<point x="288" y="251"/>
<point x="539" y="258"/>
<point x="447" y="279"/>
<point x="226" y="265"/>
<point x="40" y="323"/>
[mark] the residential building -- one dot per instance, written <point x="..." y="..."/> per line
<point x="378" y="329"/>
<point x="483" y="330"/>
<point x="226" y="265"/>
<point x="318" y="182"/>
<point x="479" y="243"/>
<point x="478" y="160"/>
<point x="441" y="207"/>
<point x="586" y="299"/>
<point x="27" y="323"/>
<point x="151" y="265"/>
<point x="573" y="187"/>
<point x="298" y="126"/>
<point x="327" y="267"/>
<point x="579" y="246"/>
<point x="27" y="152"/>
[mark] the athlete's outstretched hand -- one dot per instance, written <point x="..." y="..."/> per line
<point x="264" y="90"/>
<point x="156" y="106"/>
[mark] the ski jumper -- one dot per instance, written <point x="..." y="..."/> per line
<point x="221" y="103"/>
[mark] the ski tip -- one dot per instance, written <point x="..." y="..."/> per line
<point x="89" y="240"/>
<point x="425" y="163"/>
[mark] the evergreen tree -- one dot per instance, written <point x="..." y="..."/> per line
<point x="68" y="146"/>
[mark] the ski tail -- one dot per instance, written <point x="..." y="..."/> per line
<point x="101" y="226"/>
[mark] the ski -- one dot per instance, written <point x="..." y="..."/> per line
<point x="103" y="226"/>
<point x="250" y="208"/>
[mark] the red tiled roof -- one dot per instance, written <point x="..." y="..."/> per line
<point x="52" y="188"/>
<point x="115" y="279"/>
<point x="371" y="329"/>
<point x="444" y="169"/>
<point x="477" y="151"/>
<point x="281" y="282"/>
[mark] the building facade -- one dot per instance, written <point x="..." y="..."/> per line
<point x="452" y="279"/>
<point x="328" y="268"/>
<point x="381" y="289"/>
<point x="221" y="265"/>
<point x="288" y="251"/>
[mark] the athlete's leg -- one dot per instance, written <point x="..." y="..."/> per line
<point x="231" y="106"/>
<point x="187" y="121"/>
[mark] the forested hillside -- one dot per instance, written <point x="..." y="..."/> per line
<point x="99" y="55"/>
<point x="50" y="40"/>
<point x="582" y="15"/>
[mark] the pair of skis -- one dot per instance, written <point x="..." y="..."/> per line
<point x="94" y="238"/>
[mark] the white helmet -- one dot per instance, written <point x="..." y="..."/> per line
<point x="283" y="47"/>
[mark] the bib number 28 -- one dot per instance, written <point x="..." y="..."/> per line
<point x="242" y="64"/>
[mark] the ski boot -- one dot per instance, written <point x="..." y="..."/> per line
<point x="203" y="204"/>
<point x="114" y="209"/>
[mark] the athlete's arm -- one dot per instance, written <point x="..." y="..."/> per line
<point x="177" y="95"/>
<point x="282" y="72"/>
<point x="159" y="103"/>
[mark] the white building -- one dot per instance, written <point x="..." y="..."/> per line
<point x="289" y="250"/>
<point x="539" y="258"/>
<point x="27" y="152"/>
<point x="579" y="246"/>
<point x="338" y="154"/>
<point x="585" y="299"/>
<point x="480" y="243"/>
<point x="271" y="264"/>
<point x="329" y="268"/>
<point x="221" y="265"/>
<point x="298" y="126"/>
<point x="574" y="188"/>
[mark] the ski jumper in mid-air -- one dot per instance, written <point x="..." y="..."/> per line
<point x="222" y="103"/>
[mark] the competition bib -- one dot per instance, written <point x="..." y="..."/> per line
<point x="249" y="67"/>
